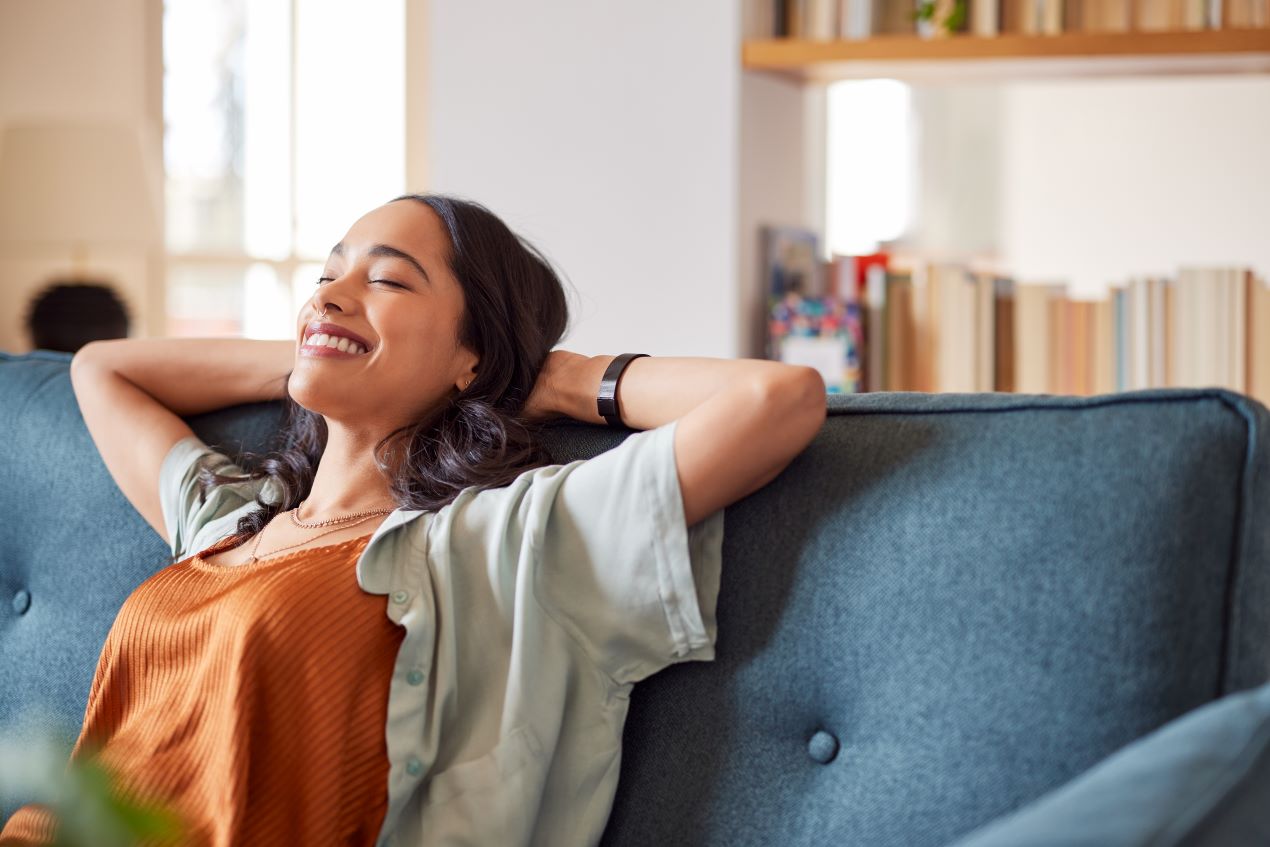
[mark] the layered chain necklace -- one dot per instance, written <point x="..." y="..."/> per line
<point x="342" y="523"/>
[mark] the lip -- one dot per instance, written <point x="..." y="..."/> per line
<point x="315" y="327"/>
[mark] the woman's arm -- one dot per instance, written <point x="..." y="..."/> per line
<point x="741" y="421"/>
<point x="190" y="376"/>
<point x="134" y="392"/>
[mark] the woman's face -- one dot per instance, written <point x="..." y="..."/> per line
<point x="388" y="282"/>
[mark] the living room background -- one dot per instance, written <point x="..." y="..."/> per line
<point x="643" y="158"/>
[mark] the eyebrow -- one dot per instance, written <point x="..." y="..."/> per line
<point x="387" y="250"/>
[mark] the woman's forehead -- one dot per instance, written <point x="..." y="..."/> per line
<point x="405" y="224"/>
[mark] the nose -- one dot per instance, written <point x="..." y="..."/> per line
<point x="328" y="295"/>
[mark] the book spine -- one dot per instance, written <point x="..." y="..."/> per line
<point x="1183" y="330"/>
<point x="1239" y="278"/>
<point x="1258" y="335"/>
<point x="820" y="21"/>
<point x="844" y="19"/>
<point x="986" y="17"/>
<point x="1004" y="337"/>
<point x="795" y="15"/>
<point x="875" y="338"/>
<point x="1170" y="319"/>
<point x="1155" y="333"/>
<point x="1121" y="345"/>
<point x="1051" y="14"/>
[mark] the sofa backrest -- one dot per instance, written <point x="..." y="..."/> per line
<point x="946" y="606"/>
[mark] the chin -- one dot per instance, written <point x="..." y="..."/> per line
<point x="319" y="399"/>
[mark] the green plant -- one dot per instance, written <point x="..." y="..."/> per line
<point x="954" y="20"/>
<point x="85" y="798"/>
<point x="92" y="810"/>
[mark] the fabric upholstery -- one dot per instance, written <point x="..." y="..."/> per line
<point x="947" y="606"/>
<point x="1203" y="779"/>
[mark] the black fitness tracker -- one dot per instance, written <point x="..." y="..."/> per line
<point x="606" y="402"/>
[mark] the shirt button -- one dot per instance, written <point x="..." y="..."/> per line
<point x="414" y="677"/>
<point x="414" y="767"/>
<point x="399" y="596"/>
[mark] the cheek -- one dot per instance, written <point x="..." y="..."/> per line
<point x="420" y="360"/>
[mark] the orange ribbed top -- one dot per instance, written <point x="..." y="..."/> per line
<point x="251" y="699"/>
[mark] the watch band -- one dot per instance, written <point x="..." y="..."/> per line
<point x="606" y="401"/>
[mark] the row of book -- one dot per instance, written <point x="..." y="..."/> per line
<point x="903" y="324"/>
<point x="826" y="20"/>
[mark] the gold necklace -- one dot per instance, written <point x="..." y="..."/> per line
<point x="295" y="517"/>
<point x="254" y="558"/>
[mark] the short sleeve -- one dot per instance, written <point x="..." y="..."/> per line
<point x="616" y="564"/>
<point x="185" y="514"/>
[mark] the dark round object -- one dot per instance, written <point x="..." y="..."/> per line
<point x="66" y="315"/>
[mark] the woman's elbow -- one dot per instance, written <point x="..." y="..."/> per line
<point x="796" y="400"/>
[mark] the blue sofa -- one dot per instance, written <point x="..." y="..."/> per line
<point x="940" y="622"/>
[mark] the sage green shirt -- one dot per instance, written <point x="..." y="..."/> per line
<point x="530" y="611"/>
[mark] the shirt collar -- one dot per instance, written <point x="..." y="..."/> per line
<point x="374" y="573"/>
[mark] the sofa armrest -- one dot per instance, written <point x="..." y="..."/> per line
<point x="1202" y="779"/>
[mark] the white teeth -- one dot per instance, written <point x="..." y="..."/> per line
<point x="338" y="342"/>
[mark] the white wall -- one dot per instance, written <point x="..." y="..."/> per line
<point x="1091" y="182"/>
<point x="781" y="181"/>
<point x="625" y="141"/>
<point x="1104" y="180"/>
<point x="68" y="60"/>
<point x="606" y="134"/>
<point x="958" y="138"/>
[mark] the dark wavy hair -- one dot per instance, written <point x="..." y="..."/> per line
<point x="514" y="314"/>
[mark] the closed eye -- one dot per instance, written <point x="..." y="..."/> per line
<point x="323" y="279"/>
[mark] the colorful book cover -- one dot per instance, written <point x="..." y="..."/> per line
<point x="791" y="262"/>
<point x="825" y="333"/>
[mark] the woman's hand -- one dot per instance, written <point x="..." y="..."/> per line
<point x="546" y="401"/>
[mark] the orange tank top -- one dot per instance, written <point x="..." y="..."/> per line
<point x="251" y="700"/>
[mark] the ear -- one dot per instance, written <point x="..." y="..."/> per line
<point x="466" y="377"/>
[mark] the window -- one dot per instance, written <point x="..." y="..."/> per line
<point x="870" y="164"/>
<point x="284" y="120"/>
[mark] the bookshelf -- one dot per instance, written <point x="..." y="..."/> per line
<point x="963" y="57"/>
<point x="940" y="325"/>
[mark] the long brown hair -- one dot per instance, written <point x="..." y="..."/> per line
<point x="514" y="314"/>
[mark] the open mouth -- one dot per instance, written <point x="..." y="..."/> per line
<point x="321" y="342"/>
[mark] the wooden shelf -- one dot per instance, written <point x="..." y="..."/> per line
<point x="1010" y="57"/>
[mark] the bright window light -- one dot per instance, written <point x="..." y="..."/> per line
<point x="869" y="164"/>
<point x="350" y="116"/>
<point x="270" y="315"/>
<point x="284" y="123"/>
<point x="266" y="137"/>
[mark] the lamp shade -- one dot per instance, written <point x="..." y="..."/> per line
<point x="77" y="183"/>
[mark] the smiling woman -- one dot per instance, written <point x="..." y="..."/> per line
<point x="457" y="315"/>
<point x="461" y="673"/>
